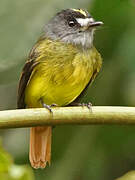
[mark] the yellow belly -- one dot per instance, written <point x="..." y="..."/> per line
<point x="59" y="82"/>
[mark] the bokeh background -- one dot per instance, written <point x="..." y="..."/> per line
<point x="78" y="152"/>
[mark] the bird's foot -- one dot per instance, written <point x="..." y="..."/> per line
<point x="48" y="107"/>
<point x="88" y="105"/>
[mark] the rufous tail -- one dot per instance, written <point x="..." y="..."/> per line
<point x="40" y="146"/>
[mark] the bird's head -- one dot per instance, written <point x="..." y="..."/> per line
<point x="75" y="26"/>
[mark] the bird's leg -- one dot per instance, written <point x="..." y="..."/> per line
<point x="88" y="105"/>
<point x="47" y="106"/>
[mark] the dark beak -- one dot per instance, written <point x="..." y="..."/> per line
<point x="95" y="24"/>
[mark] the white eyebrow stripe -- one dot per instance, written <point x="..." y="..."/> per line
<point x="84" y="22"/>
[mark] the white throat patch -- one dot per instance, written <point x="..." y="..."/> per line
<point x="85" y="39"/>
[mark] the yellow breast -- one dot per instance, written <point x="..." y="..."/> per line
<point x="61" y="78"/>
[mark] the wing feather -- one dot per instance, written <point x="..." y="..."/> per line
<point x="26" y="73"/>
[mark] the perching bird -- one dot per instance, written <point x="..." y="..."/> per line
<point x="59" y="68"/>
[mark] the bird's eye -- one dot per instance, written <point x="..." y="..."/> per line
<point x="71" y="23"/>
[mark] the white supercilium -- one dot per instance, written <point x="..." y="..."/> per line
<point x="84" y="22"/>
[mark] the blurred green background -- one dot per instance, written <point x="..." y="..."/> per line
<point x="78" y="153"/>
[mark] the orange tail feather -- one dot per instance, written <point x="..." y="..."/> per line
<point x="40" y="146"/>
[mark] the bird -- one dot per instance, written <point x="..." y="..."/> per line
<point x="59" y="69"/>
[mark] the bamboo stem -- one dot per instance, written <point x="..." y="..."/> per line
<point x="67" y="115"/>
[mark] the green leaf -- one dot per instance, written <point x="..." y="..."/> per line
<point x="5" y="160"/>
<point x="10" y="171"/>
<point x="24" y="172"/>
